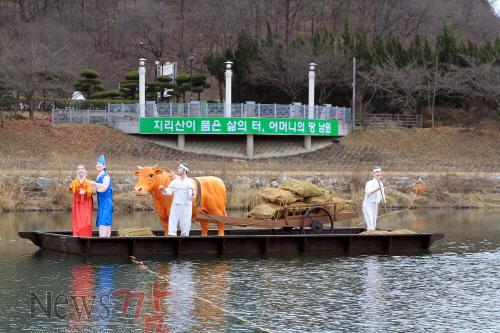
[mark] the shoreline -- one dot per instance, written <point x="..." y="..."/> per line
<point x="444" y="190"/>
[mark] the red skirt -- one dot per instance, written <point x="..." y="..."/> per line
<point x="81" y="217"/>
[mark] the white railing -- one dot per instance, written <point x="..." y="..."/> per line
<point x="85" y="116"/>
<point x="249" y="109"/>
<point x="115" y="113"/>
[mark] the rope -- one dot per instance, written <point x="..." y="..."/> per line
<point x="176" y="188"/>
<point x="232" y="314"/>
<point x="394" y="212"/>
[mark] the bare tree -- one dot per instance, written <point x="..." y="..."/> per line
<point x="430" y="86"/>
<point x="282" y="68"/>
<point x="397" y="85"/>
<point x="333" y="71"/>
<point x="34" y="65"/>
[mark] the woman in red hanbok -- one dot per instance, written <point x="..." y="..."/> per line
<point x="82" y="205"/>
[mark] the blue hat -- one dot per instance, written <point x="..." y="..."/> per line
<point x="102" y="160"/>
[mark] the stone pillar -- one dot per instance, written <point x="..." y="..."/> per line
<point x="181" y="141"/>
<point x="308" y="142"/>
<point x="142" y="88"/>
<point x="228" y="101"/>
<point x="250" y="150"/>
<point x="310" y="106"/>
<point x="312" y="77"/>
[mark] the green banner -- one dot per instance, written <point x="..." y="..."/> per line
<point x="266" y="126"/>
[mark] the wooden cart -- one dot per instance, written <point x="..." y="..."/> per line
<point x="302" y="216"/>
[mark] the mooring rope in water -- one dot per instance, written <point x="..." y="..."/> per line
<point x="394" y="212"/>
<point x="163" y="277"/>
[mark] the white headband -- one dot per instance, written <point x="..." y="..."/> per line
<point x="183" y="167"/>
<point x="377" y="170"/>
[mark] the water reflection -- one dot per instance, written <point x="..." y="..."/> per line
<point x="453" y="288"/>
<point x="104" y="296"/>
<point x="211" y="280"/>
<point x="372" y="297"/>
<point x="81" y="299"/>
<point x="180" y="303"/>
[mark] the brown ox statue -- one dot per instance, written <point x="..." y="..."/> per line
<point x="212" y="201"/>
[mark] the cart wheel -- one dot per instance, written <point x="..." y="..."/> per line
<point x="317" y="227"/>
<point x="315" y="210"/>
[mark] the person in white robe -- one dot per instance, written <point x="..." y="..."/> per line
<point x="182" y="204"/>
<point x="374" y="195"/>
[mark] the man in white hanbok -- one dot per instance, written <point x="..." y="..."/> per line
<point x="182" y="205"/>
<point x="374" y="194"/>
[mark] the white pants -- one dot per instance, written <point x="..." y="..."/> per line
<point x="179" y="214"/>
<point x="104" y="231"/>
<point x="370" y="212"/>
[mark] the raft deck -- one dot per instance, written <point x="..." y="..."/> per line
<point x="235" y="242"/>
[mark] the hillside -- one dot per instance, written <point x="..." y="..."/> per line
<point x="39" y="148"/>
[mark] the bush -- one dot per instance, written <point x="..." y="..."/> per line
<point x="9" y="102"/>
<point x="61" y="103"/>
<point x="132" y="76"/>
<point x="89" y="73"/>
<point x="110" y="94"/>
<point x="164" y="78"/>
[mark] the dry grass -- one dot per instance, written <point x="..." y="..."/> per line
<point x="128" y="201"/>
<point x="356" y="179"/>
<point x="243" y="196"/>
<point x="11" y="193"/>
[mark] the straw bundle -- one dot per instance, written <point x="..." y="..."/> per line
<point x="301" y="188"/>
<point x="135" y="232"/>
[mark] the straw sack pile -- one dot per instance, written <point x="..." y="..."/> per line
<point x="298" y="195"/>
<point x="135" y="232"/>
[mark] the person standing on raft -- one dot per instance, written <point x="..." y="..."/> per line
<point x="82" y="204"/>
<point x="104" y="191"/>
<point x="374" y="194"/>
<point x="182" y="204"/>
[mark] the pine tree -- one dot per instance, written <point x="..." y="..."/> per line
<point x="486" y="52"/>
<point x="416" y="51"/>
<point x="472" y="49"/>
<point x="89" y="83"/>
<point x="378" y="50"/>
<point x="247" y="51"/>
<point x="446" y="47"/>
<point x="396" y="51"/>
<point x="215" y="63"/>
<point x="497" y="47"/>
<point x="130" y="86"/>
<point x="361" y="49"/>
<point x="346" y="37"/>
<point x="428" y="53"/>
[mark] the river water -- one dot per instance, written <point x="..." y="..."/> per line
<point x="453" y="288"/>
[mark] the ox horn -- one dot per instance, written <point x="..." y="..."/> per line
<point x="154" y="166"/>
<point x="139" y="167"/>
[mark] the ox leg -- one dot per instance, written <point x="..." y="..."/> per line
<point x="204" y="228"/>
<point x="220" y="229"/>
<point x="164" y="224"/>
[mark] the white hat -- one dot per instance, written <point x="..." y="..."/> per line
<point x="184" y="166"/>
<point x="377" y="169"/>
